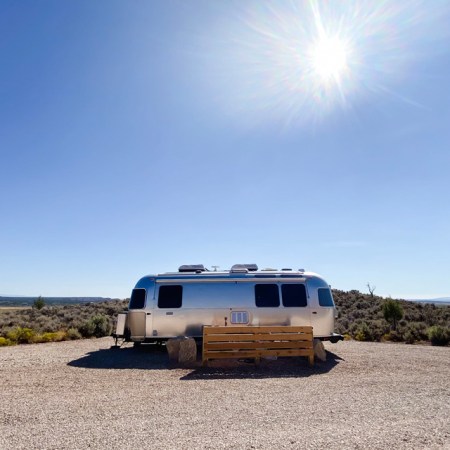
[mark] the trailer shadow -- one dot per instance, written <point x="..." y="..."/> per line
<point x="280" y="368"/>
<point x="156" y="358"/>
<point x="145" y="358"/>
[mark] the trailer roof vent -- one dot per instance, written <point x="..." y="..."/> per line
<point x="192" y="268"/>
<point x="244" y="267"/>
<point x="286" y="269"/>
<point x="239" y="270"/>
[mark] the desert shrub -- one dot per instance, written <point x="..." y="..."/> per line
<point x="56" y="336"/>
<point x="340" y="328"/>
<point x="439" y="335"/>
<point x="72" y="334"/>
<point x="410" y="338"/>
<point x="86" y="329"/>
<point x="102" y="326"/>
<point x="47" y="324"/>
<point x="97" y="326"/>
<point x="416" y="331"/>
<point x="394" y="336"/>
<point x="21" y="335"/>
<point x="353" y="328"/>
<point x="357" y="314"/>
<point x="45" y="337"/>
<point x="5" y="342"/>
<point x="355" y="292"/>
<point x="364" y="333"/>
<point x="429" y="314"/>
<point x="377" y="328"/>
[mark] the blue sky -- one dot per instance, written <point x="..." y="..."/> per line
<point x="138" y="136"/>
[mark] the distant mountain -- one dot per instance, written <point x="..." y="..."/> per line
<point x="436" y="301"/>
<point x="28" y="301"/>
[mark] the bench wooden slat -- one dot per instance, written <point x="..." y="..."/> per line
<point x="262" y="329"/>
<point x="246" y="345"/>
<point x="256" y="353"/>
<point x="257" y="337"/>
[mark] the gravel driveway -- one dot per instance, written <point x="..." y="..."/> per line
<point x="81" y="394"/>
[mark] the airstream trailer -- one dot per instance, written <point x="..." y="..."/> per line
<point x="181" y="303"/>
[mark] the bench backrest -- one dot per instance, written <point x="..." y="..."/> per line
<point x="256" y="342"/>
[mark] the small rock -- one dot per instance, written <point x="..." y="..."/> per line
<point x="188" y="351"/>
<point x="173" y="348"/>
<point x="319" y="350"/>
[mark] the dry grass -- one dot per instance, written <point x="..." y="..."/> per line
<point x="4" y="309"/>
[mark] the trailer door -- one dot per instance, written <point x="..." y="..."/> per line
<point x="170" y="319"/>
<point x="137" y="315"/>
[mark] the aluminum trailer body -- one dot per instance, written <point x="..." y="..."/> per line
<point x="181" y="303"/>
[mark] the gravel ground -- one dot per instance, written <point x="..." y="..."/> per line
<point x="81" y="394"/>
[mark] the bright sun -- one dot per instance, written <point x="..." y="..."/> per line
<point x="329" y="58"/>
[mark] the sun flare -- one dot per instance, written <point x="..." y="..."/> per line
<point x="299" y="61"/>
<point x="329" y="58"/>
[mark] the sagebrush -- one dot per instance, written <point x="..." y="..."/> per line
<point x="361" y="316"/>
<point x="57" y="323"/>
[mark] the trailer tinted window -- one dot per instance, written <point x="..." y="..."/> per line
<point x="267" y="295"/>
<point x="325" y="298"/>
<point x="137" y="300"/>
<point x="294" y="295"/>
<point x="170" y="296"/>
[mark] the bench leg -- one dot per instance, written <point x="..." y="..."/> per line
<point x="311" y="359"/>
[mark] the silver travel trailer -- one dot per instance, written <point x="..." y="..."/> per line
<point x="181" y="303"/>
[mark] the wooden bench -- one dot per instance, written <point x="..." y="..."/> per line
<point x="257" y="342"/>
